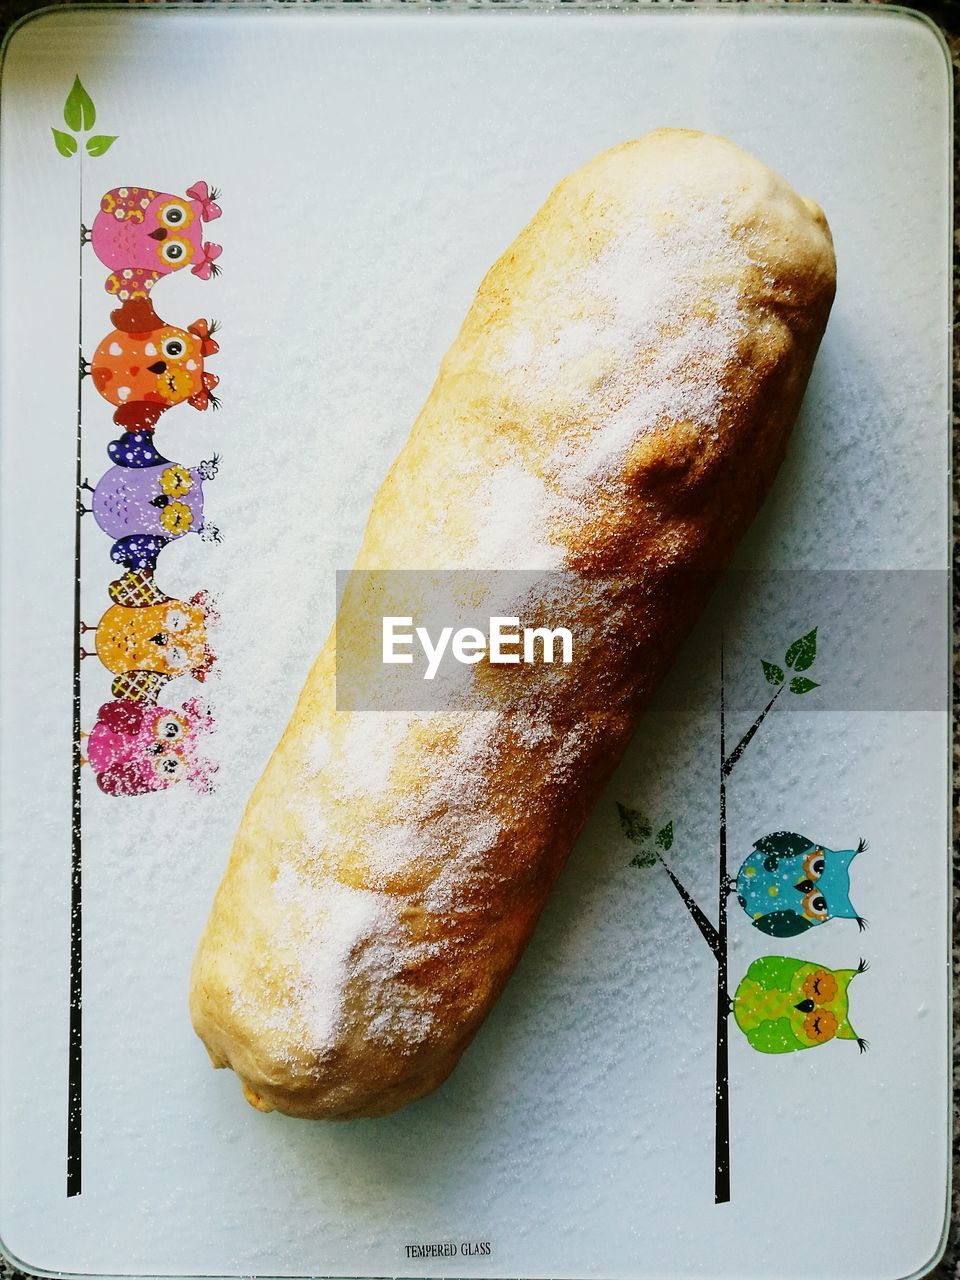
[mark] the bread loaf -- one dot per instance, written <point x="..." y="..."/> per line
<point x="613" y="410"/>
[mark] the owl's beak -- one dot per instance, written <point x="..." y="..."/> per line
<point x="158" y="367"/>
<point x="159" y="234"/>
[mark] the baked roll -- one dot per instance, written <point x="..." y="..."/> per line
<point x="613" y="411"/>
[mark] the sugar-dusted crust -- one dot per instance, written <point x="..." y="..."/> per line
<point x="615" y="405"/>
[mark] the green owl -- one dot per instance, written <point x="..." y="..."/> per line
<point x="783" y="1005"/>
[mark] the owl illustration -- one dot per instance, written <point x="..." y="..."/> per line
<point x="135" y="747"/>
<point x="788" y="884"/>
<point x="143" y="235"/>
<point x="145" y="508"/>
<point x="145" y="366"/>
<point x="783" y="1005"/>
<point x="147" y="638"/>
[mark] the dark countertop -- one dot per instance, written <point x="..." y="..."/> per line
<point x="946" y="14"/>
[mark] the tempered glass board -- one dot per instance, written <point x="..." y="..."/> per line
<point x="373" y="164"/>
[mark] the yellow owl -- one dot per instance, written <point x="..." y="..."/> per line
<point x="146" y="637"/>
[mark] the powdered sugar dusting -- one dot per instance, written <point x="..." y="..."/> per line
<point x="330" y="934"/>
<point x="368" y="750"/>
<point x="325" y="923"/>
<point x="436" y="830"/>
<point x="643" y="336"/>
<point x="664" y="314"/>
<point x="332" y="938"/>
<point x="510" y="499"/>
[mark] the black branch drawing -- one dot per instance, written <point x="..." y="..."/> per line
<point x="650" y="852"/>
<point x="79" y="115"/>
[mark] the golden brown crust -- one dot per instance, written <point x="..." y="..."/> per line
<point x="622" y="388"/>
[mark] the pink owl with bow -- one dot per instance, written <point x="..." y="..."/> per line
<point x="143" y="235"/>
<point x="136" y="747"/>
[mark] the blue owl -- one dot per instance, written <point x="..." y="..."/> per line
<point x="788" y="884"/>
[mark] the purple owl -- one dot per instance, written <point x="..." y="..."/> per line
<point x="135" y="747"/>
<point x="143" y="508"/>
<point x="143" y="235"/>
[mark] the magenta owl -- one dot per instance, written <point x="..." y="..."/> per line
<point x="144" y="508"/>
<point x="135" y="747"/>
<point x="143" y="235"/>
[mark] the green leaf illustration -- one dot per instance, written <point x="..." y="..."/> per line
<point x="634" y="824"/>
<point x="800" y="684"/>
<point x="66" y="143"/>
<point x="802" y="652"/>
<point x="643" y="859"/>
<point x="100" y="143"/>
<point x="665" y="837"/>
<point x="78" y="110"/>
<point x="773" y="673"/>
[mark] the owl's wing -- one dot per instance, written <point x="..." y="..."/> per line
<point x="137" y="590"/>
<point x="122" y="715"/>
<point x="139" y="686"/>
<point x="131" y="282"/>
<point x="138" y="550"/>
<point x="774" y="973"/>
<point x="138" y="415"/>
<point x="135" y="449"/>
<point x="784" y="844"/>
<point x="135" y="315"/>
<point x="127" y="204"/>
<point x="783" y="924"/>
<point x="127" y="778"/>
<point x="775" y="1035"/>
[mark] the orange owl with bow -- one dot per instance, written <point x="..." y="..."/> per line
<point x="145" y="366"/>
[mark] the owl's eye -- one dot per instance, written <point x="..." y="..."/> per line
<point x="176" y="517"/>
<point x="173" y="348"/>
<point x="174" y="251"/>
<point x="175" y="481"/>
<point x="815" y="906"/>
<point x="169" y="728"/>
<point x="813" y="864"/>
<point x="169" y="766"/>
<point x="821" y="1025"/>
<point x="175" y="620"/>
<point x="173" y="215"/>
<point x="176" y="657"/>
<point x="820" y="986"/>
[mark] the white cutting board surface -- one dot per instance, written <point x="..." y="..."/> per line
<point x="373" y="165"/>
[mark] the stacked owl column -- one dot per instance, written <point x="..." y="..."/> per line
<point x="144" y="367"/>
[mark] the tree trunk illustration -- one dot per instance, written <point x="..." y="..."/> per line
<point x="799" y="657"/>
<point x="79" y="115"/>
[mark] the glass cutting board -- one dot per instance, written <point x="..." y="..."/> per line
<point x="371" y="165"/>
